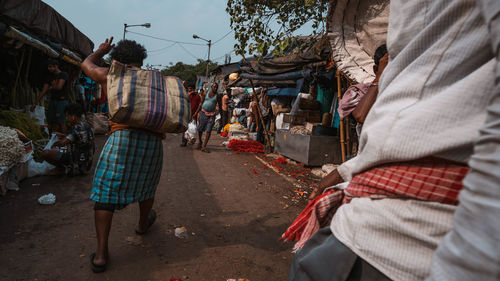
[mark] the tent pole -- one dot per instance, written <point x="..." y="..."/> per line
<point x="19" y="68"/>
<point x="347" y="136"/>
<point x="341" y="125"/>
<point x="28" y="100"/>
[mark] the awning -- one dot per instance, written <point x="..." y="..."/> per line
<point x="38" y="19"/>
<point x="356" y="28"/>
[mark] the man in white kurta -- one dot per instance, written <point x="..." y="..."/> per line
<point x="432" y="102"/>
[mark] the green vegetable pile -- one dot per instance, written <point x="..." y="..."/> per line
<point x="22" y="122"/>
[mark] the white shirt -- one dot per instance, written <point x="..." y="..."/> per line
<point x="432" y="101"/>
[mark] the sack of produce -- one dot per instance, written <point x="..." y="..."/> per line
<point x="11" y="147"/>
<point x="147" y="99"/>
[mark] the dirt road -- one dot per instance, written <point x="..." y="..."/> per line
<point x="233" y="215"/>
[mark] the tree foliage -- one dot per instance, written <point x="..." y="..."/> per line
<point x="188" y="72"/>
<point x="262" y="25"/>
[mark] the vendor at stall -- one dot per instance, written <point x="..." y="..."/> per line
<point x="57" y="87"/>
<point x="81" y="139"/>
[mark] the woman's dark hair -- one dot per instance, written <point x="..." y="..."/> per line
<point x="74" y="109"/>
<point x="379" y="53"/>
<point x="128" y="51"/>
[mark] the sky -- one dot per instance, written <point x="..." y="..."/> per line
<point x="170" y="19"/>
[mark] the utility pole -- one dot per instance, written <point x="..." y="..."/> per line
<point x="208" y="60"/>
<point x="209" y="42"/>
<point x="146" y="25"/>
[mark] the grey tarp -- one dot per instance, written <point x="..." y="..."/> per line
<point x="41" y="20"/>
<point x="318" y="53"/>
<point x="355" y="29"/>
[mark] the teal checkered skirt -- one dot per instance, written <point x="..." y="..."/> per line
<point x="129" y="168"/>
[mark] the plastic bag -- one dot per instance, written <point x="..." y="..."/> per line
<point x="47" y="199"/>
<point x="53" y="139"/>
<point x="38" y="114"/>
<point x="191" y="131"/>
<point x="40" y="169"/>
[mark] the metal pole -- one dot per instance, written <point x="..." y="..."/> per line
<point x="124" y="30"/>
<point x="341" y="125"/>
<point x="208" y="60"/>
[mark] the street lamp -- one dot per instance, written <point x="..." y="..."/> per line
<point x="146" y="25"/>
<point x="209" y="45"/>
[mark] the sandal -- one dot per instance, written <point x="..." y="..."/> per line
<point x="151" y="221"/>
<point x="96" y="268"/>
<point x="205" y="150"/>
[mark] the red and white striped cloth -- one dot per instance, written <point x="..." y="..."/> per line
<point x="317" y="214"/>
<point x="427" y="180"/>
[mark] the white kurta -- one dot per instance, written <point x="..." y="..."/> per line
<point x="432" y="101"/>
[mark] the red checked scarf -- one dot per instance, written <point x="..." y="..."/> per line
<point x="422" y="180"/>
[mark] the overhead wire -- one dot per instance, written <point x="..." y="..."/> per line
<point x="158" y="50"/>
<point x="187" y="51"/>
<point x="217" y="41"/>
<point x="167" y="40"/>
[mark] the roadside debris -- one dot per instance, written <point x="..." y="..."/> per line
<point x="47" y="199"/>
<point x="181" y="232"/>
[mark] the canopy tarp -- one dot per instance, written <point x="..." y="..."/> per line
<point x="355" y="29"/>
<point x="318" y="53"/>
<point x="39" y="19"/>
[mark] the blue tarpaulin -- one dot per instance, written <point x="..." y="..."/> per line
<point x="283" y="92"/>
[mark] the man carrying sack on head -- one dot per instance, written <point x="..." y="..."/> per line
<point x="130" y="164"/>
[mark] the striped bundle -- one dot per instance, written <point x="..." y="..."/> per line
<point x="146" y="99"/>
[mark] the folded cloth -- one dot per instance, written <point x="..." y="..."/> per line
<point x="422" y="180"/>
<point x="351" y="98"/>
<point x="317" y="214"/>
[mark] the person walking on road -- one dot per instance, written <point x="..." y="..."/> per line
<point x="130" y="164"/>
<point x="57" y="86"/>
<point x="224" y="114"/>
<point x="207" y="110"/>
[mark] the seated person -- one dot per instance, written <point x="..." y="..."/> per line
<point x="80" y="141"/>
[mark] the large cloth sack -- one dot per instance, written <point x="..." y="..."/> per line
<point x="146" y="99"/>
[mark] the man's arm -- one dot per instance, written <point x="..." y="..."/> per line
<point x="365" y="104"/>
<point x="90" y="64"/>
<point x="367" y="101"/>
<point x="45" y="90"/>
<point x="200" y="105"/>
<point x="331" y="179"/>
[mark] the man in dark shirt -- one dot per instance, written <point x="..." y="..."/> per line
<point x="57" y="86"/>
<point x="195" y="100"/>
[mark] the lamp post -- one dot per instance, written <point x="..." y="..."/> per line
<point x="146" y="25"/>
<point x="209" y="45"/>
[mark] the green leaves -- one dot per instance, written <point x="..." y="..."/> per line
<point x="260" y="25"/>
<point x="188" y="72"/>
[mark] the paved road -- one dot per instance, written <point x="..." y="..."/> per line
<point x="234" y="218"/>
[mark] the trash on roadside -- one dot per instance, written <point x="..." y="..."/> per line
<point x="134" y="240"/>
<point x="318" y="172"/>
<point x="299" y="192"/>
<point x="181" y="232"/>
<point x="47" y="199"/>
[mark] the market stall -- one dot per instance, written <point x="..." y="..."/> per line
<point x="31" y="32"/>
